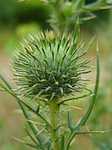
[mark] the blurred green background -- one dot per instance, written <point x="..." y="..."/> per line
<point x="17" y="20"/>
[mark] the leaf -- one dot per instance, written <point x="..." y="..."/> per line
<point x="29" y="144"/>
<point x="3" y="79"/>
<point x="70" y="121"/>
<point x="81" y="132"/>
<point x="27" y="106"/>
<point x="38" y="145"/>
<point x="35" y="131"/>
<point x="32" y="145"/>
<point x="17" y="139"/>
<point x="2" y="90"/>
<point x="62" y="142"/>
<point x="89" y="17"/>
<point x="92" y="132"/>
<point x="86" y="116"/>
<point x="19" y="100"/>
<point x="78" y="97"/>
<point x="39" y="137"/>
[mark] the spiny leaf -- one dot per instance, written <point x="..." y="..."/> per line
<point x="25" y="114"/>
<point x="86" y="116"/>
<point x="38" y="145"/>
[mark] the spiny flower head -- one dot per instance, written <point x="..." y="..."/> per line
<point x="49" y="66"/>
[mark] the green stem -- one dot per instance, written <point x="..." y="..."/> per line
<point x="54" y="111"/>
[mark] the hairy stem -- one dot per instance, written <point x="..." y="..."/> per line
<point x="54" y="111"/>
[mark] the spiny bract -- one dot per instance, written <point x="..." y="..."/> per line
<point x="48" y="66"/>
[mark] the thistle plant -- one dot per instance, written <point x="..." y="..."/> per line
<point x="48" y="71"/>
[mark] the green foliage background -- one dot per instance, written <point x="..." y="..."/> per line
<point x="16" y="21"/>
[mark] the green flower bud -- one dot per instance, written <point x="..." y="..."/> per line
<point x="49" y="66"/>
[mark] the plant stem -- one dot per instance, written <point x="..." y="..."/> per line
<point x="54" y="111"/>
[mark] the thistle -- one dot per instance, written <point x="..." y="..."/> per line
<point x="50" y="67"/>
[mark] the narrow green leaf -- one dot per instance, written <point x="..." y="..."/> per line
<point x="2" y="90"/>
<point x="86" y="116"/>
<point x="92" y="132"/>
<point x="38" y="136"/>
<point x="70" y="121"/>
<point x="27" y="106"/>
<point x="62" y="142"/>
<point x="3" y="79"/>
<point x="32" y="145"/>
<point x="78" y="97"/>
<point x="82" y="132"/>
<point x="25" y="114"/>
<point x="38" y="145"/>
<point x="83" y="121"/>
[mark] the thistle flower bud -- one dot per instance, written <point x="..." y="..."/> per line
<point x="49" y="66"/>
